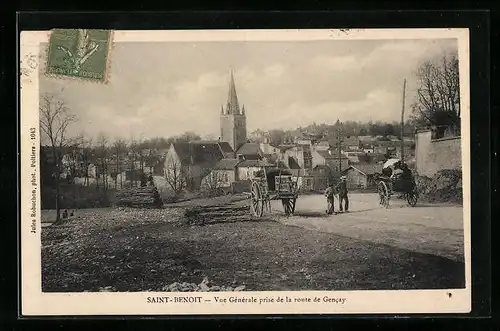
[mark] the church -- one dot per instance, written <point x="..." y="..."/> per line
<point x="233" y="127"/>
<point x="196" y="159"/>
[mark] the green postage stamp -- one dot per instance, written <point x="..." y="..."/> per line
<point x="79" y="53"/>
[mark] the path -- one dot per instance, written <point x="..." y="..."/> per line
<point x="426" y="228"/>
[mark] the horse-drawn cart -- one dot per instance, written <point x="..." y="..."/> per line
<point x="405" y="185"/>
<point x="273" y="184"/>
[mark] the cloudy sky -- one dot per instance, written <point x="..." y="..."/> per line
<point x="165" y="88"/>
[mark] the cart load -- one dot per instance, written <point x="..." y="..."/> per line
<point x="273" y="184"/>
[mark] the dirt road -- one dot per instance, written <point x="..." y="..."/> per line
<point x="426" y="228"/>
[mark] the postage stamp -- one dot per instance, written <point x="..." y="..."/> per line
<point x="245" y="172"/>
<point x="79" y="53"/>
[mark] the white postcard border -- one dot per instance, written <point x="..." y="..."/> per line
<point x="35" y="302"/>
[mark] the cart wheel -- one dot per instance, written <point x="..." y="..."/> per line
<point x="383" y="193"/>
<point x="412" y="197"/>
<point x="256" y="203"/>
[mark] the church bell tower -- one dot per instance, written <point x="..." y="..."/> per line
<point x="233" y="120"/>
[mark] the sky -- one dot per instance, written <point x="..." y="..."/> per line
<point x="162" y="89"/>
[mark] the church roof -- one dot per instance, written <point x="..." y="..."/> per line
<point x="232" y="106"/>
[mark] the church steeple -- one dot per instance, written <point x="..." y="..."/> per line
<point x="232" y="106"/>
<point x="233" y="121"/>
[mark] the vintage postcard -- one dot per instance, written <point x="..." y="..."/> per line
<point x="245" y="172"/>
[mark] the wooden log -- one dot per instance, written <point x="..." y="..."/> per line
<point x="142" y="197"/>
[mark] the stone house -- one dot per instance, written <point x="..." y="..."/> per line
<point x="299" y="156"/>
<point x="334" y="161"/>
<point x="225" y="173"/>
<point x="321" y="145"/>
<point x="267" y="149"/>
<point x="248" y="169"/>
<point x="250" y="151"/>
<point x="363" y="175"/>
<point x="192" y="161"/>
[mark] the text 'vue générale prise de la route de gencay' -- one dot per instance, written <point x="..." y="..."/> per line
<point x="244" y="299"/>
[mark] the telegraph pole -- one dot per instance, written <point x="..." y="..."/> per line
<point x="403" y="122"/>
<point x="339" y="147"/>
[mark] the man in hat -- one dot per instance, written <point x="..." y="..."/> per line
<point x="341" y="188"/>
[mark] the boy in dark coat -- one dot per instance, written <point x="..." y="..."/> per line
<point x="330" y="199"/>
<point x="341" y="188"/>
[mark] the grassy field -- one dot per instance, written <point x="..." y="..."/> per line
<point x="140" y="250"/>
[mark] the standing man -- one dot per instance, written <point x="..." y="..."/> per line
<point x="341" y="188"/>
<point x="330" y="199"/>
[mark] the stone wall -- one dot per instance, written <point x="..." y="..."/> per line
<point x="432" y="155"/>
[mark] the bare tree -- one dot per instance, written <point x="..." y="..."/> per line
<point x="213" y="182"/>
<point x="133" y="151"/>
<point x="120" y="148"/>
<point x="54" y="122"/>
<point x="438" y="96"/>
<point x="175" y="176"/>
<point x="102" y="151"/>
<point x="86" y="144"/>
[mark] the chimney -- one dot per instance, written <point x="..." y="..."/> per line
<point x="240" y="157"/>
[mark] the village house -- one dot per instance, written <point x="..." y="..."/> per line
<point x="353" y="157"/>
<point x="248" y="169"/>
<point x="223" y="175"/>
<point x="299" y="156"/>
<point x="225" y="148"/>
<point x="393" y="147"/>
<point x="372" y="158"/>
<point x="350" y="143"/>
<point x="267" y="149"/>
<point x="362" y="175"/>
<point x="333" y="160"/>
<point x="321" y="145"/>
<point x="300" y="140"/>
<point x="250" y="151"/>
<point x="322" y="176"/>
<point x="192" y="161"/>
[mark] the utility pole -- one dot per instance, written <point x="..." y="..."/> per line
<point x="403" y="122"/>
<point x="339" y="147"/>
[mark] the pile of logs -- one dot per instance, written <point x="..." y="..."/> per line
<point x="139" y="197"/>
<point x="202" y="215"/>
